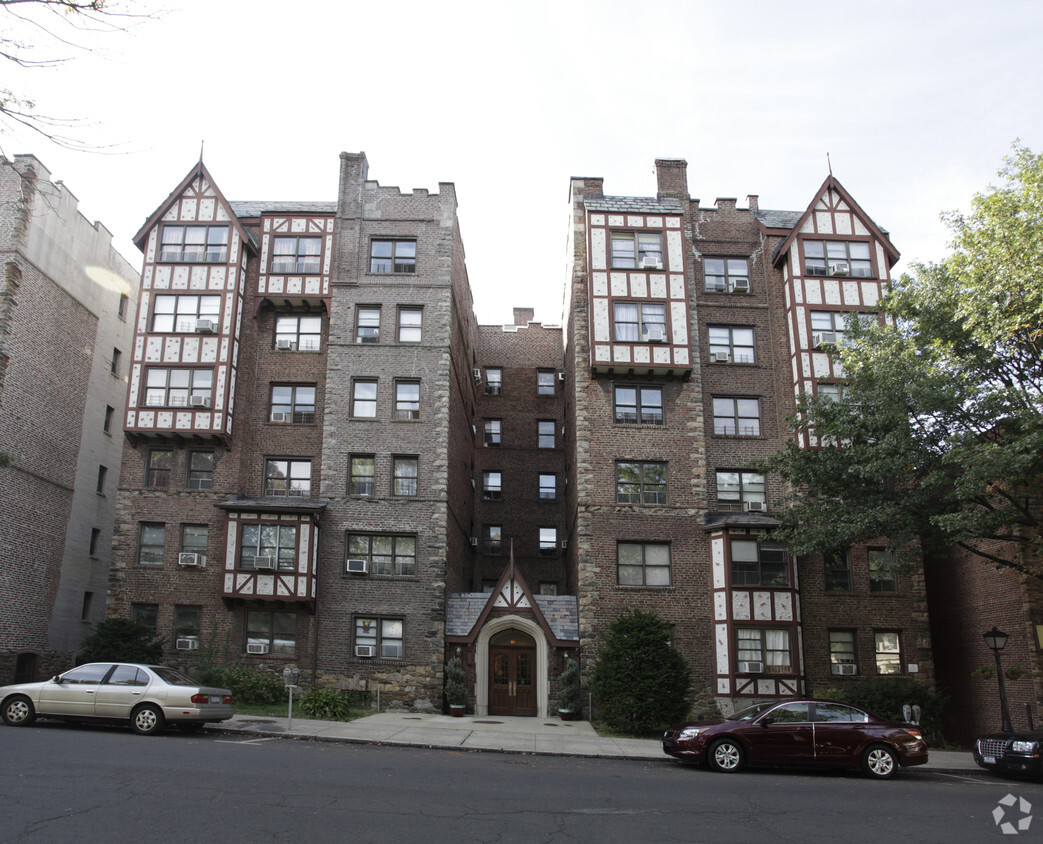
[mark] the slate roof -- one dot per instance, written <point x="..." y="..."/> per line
<point x="746" y="520"/>
<point x="462" y="610"/>
<point x="562" y="614"/>
<point x="779" y="219"/>
<point x="633" y="204"/>
<point x="255" y="208"/>
<point x="560" y="611"/>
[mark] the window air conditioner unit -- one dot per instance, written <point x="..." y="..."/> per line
<point x="846" y="669"/>
<point x="741" y="285"/>
<point x="751" y="667"/>
<point x="655" y="334"/>
<point x="721" y="357"/>
<point x="840" y="268"/>
<point x="650" y="263"/>
<point x="264" y="563"/>
<point x="281" y="417"/>
<point x="357" y="567"/>
<point x="824" y="338"/>
<point x="205" y="326"/>
<point x="366" y="650"/>
<point x="474" y="541"/>
<point x="755" y="507"/>
<point x="187" y="644"/>
<point x="258" y="648"/>
<point x="189" y="559"/>
<point x="199" y="401"/>
<point x="285" y="343"/>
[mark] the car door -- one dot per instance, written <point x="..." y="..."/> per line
<point x="840" y="733"/>
<point x="73" y="693"/>
<point x="782" y="735"/>
<point x="122" y="689"/>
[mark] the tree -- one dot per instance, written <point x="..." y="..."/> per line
<point x="122" y="640"/>
<point x="640" y="683"/>
<point x="938" y="441"/>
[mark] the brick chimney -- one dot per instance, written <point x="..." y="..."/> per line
<point x="672" y="177"/>
<point x="523" y="316"/>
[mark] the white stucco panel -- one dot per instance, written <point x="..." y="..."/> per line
<point x="265" y="584"/>
<point x="602" y="354"/>
<point x="809" y="225"/>
<point x="179" y="278"/>
<point x="146" y="278"/>
<point x="597" y="219"/>
<point x="679" y="323"/>
<point x="207" y="209"/>
<point x="677" y="290"/>
<point x="681" y="356"/>
<point x="639" y="285"/>
<point x="210" y="345"/>
<point x="198" y="278"/>
<point x="661" y="356"/>
<point x="621" y="354"/>
<point x="721" y="643"/>
<point x="724" y="686"/>
<point x="860" y="227"/>
<point x="602" y="322"/>
<point x="843" y="222"/>
<point x="189" y="210"/>
<point x="820" y="364"/>
<point x="184" y="421"/>
<point x="655" y="222"/>
<point x="720" y="606"/>
<point x="741" y="606"/>
<point x="165" y="419"/>
<point x="172" y="350"/>
<point x="762" y="606"/>
<point x="171" y="214"/>
<point x="717" y="560"/>
<point x="600" y="284"/>
<point x="304" y="555"/>
<point x="812" y="291"/>
<point x="673" y="222"/>
<point x="597" y="249"/>
<point x="792" y="293"/>
<point x="824" y="222"/>
<point x="154" y="349"/>
<point x="636" y="221"/>
<point x="766" y="687"/>
<point x="851" y="290"/>
<point x="162" y="280"/>
<point x="218" y="278"/>
<point x="870" y="293"/>
<point x="657" y="286"/>
<point x="800" y="312"/>
<point x="784" y="606"/>
<point x="831" y="291"/>
<point x="190" y="350"/>
<point x="675" y="251"/>
<point x="615" y="219"/>
<point x="618" y="284"/>
<point x="641" y="354"/>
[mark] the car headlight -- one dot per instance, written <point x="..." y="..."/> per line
<point x="690" y="732"/>
<point x="1024" y="746"/>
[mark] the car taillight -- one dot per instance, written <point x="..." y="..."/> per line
<point x="226" y="699"/>
<point x="200" y="698"/>
<point x="914" y="733"/>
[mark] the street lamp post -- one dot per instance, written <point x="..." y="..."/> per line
<point x="997" y="641"/>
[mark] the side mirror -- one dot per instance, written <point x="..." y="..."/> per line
<point x="57" y="678"/>
<point x="767" y="721"/>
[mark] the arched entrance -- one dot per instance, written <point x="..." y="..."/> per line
<point x="483" y="662"/>
<point x="512" y="673"/>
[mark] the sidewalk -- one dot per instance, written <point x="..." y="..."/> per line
<point x="496" y="733"/>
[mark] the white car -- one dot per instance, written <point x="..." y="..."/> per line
<point x="146" y="696"/>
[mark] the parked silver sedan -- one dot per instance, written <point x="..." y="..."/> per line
<point x="148" y="697"/>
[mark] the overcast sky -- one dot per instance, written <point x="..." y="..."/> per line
<point x="915" y="101"/>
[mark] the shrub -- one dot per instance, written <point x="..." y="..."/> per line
<point x="325" y="704"/>
<point x="455" y="683"/>
<point x="250" y="685"/>
<point x="121" y="640"/>
<point x="885" y="696"/>
<point x="640" y="683"/>
<point x="568" y="694"/>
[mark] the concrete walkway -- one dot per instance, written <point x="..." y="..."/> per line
<point x="496" y="733"/>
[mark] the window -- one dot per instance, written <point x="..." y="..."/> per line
<point x="835" y="257"/>
<point x="179" y="388"/>
<point x="194" y="244"/>
<point x="410" y="325"/>
<point x="277" y="631"/>
<point x="146" y="614"/>
<point x="194" y="539"/>
<point x="837" y="322"/>
<point x="287" y="477"/>
<point x="404" y="473"/>
<point x="548" y="542"/>
<point x="201" y="470"/>
<point x="641" y="483"/>
<point x="882" y="571"/>
<point x="737" y="417"/>
<point x="637" y="250"/>
<point x="364" y="399"/>
<point x="114" y="365"/>
<point x="547" y="587"/>
<point x="491" y="486"/>
<point x="384" y="635"/>
<point x="85" y="606"/>
<point x="92" y="549"/>
<point x="726" y="275"/>
<point x="548" y="487"/>
<point x="106" y="426"/>
<point x="407" y="400"/>
<point x="493" y="381"/>
<point x="391" y="555"/>
<point x="367" y="329"/>
<point x="124" y="304"/>
<point x="363" y="475"/>
<point x="293" y="403"/>
<point x="643" y="564"/>
<point x="736" y="490"/>
<point x="730" y="343"/>
<point x="830" y="392"/>
<point x="842" y="651"/>
<point x="545" y="382"/>
<point x="184" y="313"/>
<point x="392" y="256"/>
<point x="641" y="405"/>
<point x="759" y="563"/>
<point x="160" y="468"/>
<point x="837" y="566"/>
<point x="493" y="437"/>
<point x="151" y="538"/>
<point x="888" y="647"/>
<point x="103" y="472"/>
<point x="188" y="622"/>
<point x="545" y="433"/>
<point x="762" y="645"/>
<point x="265" y="546"/>
<point x="640" y="322"/>
<point x="493" y="540"/>
<point x="303" y="333"/>
<point x="296" y="254"/>
<point x="837" y="712"/>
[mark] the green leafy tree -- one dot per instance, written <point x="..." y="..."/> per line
<point x="640" y="683"/>
<point x="938" y="441"/>
<point x="121" y="640"/>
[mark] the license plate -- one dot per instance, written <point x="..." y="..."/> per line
<point x="989" y="760"/>
<point x="215" y="698"/>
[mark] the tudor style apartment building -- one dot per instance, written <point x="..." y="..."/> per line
<point x="329" y="464"/>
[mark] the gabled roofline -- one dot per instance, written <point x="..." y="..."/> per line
<point x="831" y="183"/>
<point x="198" y="170"/>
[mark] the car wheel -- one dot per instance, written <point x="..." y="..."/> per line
<point x="191" y="726"/>
<point x="725" y="756"/>
<point x="879" y="762"/>
<point x="19" y="711"/>
<point x="146" y="720"/>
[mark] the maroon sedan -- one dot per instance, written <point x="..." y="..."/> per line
<point x="813" y="733"/>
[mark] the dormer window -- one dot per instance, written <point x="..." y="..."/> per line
<point x="637" y="250"/>
<point x="194" y="244"/>
<point x="837" y="258"/>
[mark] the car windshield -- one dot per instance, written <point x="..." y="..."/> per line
<point x="174" y="678"/>
<point x="752" y="712"/>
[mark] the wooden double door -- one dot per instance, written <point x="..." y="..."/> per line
<point x="512" y="674"/>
